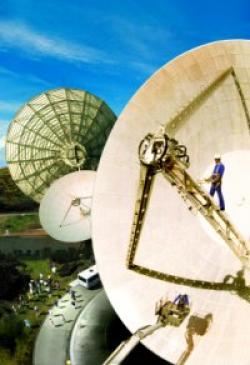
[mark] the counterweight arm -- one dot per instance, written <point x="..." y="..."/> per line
<point x="159" y="153"/>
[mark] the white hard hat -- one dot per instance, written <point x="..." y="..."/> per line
<point x="217" y="156"/>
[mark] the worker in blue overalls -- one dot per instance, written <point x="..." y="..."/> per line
<point x="216" y="180"/>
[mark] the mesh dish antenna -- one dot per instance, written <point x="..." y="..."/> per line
<point x="202" y="99"/>
<point x="65" y="210"/>
<point x="55" y="133"/>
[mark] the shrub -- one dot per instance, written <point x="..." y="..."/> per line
<point x="13" y="278"/>
<point x="23" y="353"/>
<point x="64" y="256"/>
<point x="11" y="327"/>
<point x="68" y="268"/>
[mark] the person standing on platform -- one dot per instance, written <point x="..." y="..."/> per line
<point x="216" y="180"/>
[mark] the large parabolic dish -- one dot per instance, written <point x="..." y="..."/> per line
<point x="202" y="98"/>
<point x="55" y="133"/>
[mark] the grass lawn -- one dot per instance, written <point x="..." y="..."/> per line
<point x="19" y="223"/>
<point x="35" y="267"/>
<point x="35" y="308"/>
<point x="42" y="302"/>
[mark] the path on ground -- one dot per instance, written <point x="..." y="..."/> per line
<point x="52" y="342"/>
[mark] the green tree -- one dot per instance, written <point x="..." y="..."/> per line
<point x="24" y="347"/>
<point x="6" y="358"/>
<point x="11" y="327"/>
<point x="13" y="277"/>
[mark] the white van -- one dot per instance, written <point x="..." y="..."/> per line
<point x="89" y="277"/>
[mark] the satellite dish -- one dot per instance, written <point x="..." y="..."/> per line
<point x="55" y="133"/>
<point x="202" y="99"/>
<point x="65" y="209"/>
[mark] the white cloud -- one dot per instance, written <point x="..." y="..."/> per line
<point x="8" y="106"/>
<point x="145" y="39"/>
<point x="7" y="72"/>
<point x="144" y="67"/>
<point x="3" y="122"/>
<point x="36" y="80"/>
<point x="27" y="77"/>
<point x="2" y="142"/>
<point x="144" y="42"/>
<point x="20" y="36"/>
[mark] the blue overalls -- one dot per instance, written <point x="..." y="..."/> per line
<point x="183" y="297"/>
<point x="219" y="168"/>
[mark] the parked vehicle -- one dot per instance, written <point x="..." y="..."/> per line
<point x="89" y="278"/>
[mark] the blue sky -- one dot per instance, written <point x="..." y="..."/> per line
<point x="106" y="47"/>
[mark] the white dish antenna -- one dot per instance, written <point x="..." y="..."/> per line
<point x="202" y="100"/>
<point x="54" y="134"/>
<point x="65" y="210"/>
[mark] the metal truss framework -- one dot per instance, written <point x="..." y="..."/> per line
<point x="172" y="163"/>
<point x="55" y="133"/>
